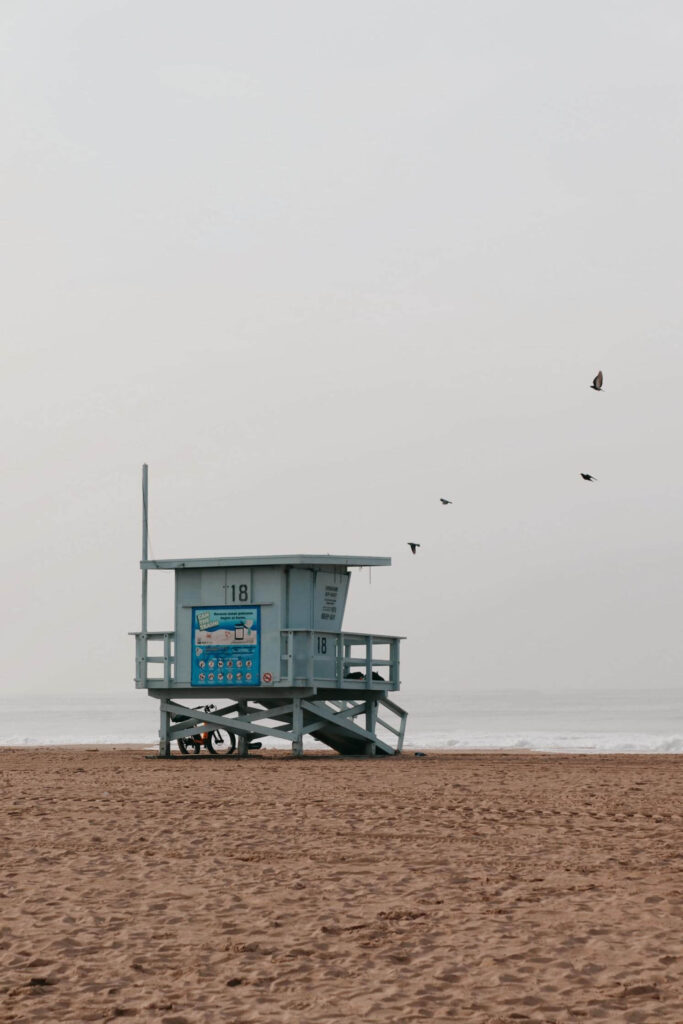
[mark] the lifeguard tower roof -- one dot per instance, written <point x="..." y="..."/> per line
<point x="264" y="560"/>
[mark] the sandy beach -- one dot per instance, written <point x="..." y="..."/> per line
<point x="491" y="887"/>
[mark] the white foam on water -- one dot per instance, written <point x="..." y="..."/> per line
<point x="71" y="739"/>
<point x="576" y="743"/>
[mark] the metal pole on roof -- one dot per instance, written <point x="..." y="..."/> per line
<point x="145" y="533"/>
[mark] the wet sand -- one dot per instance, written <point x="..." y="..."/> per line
<point x="490" y="887"/>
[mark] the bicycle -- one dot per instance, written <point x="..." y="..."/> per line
<point x="216" y="740"/>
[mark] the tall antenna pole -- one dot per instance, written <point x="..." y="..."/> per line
<point x="145" y="533"/>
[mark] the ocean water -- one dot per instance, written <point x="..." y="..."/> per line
<point x="647" y="721"/>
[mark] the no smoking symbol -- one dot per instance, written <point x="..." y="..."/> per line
<point x="267" y="677"/>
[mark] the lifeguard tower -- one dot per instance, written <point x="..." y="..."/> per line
<point x="263" y="635"/>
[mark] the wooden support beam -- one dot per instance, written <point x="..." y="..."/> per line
<point x="390" y="728"/>
<point x="243" y="727"/>
<point x="164" y="731"/>
<point x="297" y="728"/>
<point x="344" y="724"/>
<point x="371" y="725"/>
<point x="298" y="717"/>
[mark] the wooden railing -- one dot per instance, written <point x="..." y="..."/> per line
<point x="143" y="659"/>
<point x="307" y="658"/>
<point x="305" y="662"/>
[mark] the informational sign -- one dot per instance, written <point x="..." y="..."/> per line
<point x="226" y="646"/>
<point x="330" y="599"/>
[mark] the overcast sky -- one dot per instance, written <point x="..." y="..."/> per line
<point x="320" y="264"/>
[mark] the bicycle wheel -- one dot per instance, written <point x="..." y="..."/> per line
<point x="188" y="745"/>
<point x="220" y="741"/>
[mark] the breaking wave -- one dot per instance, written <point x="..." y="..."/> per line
<point x="577" y="743"/>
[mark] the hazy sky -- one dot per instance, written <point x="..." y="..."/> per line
<point x="319" y="264"/>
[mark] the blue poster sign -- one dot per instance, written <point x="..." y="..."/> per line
<point x="226" y="646"/>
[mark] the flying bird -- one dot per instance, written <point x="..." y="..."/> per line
<point x="597" y="382"/>
<point x="587" y="476"/>
<point x="413" y="546"/>
<point x="445" y="501"/>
